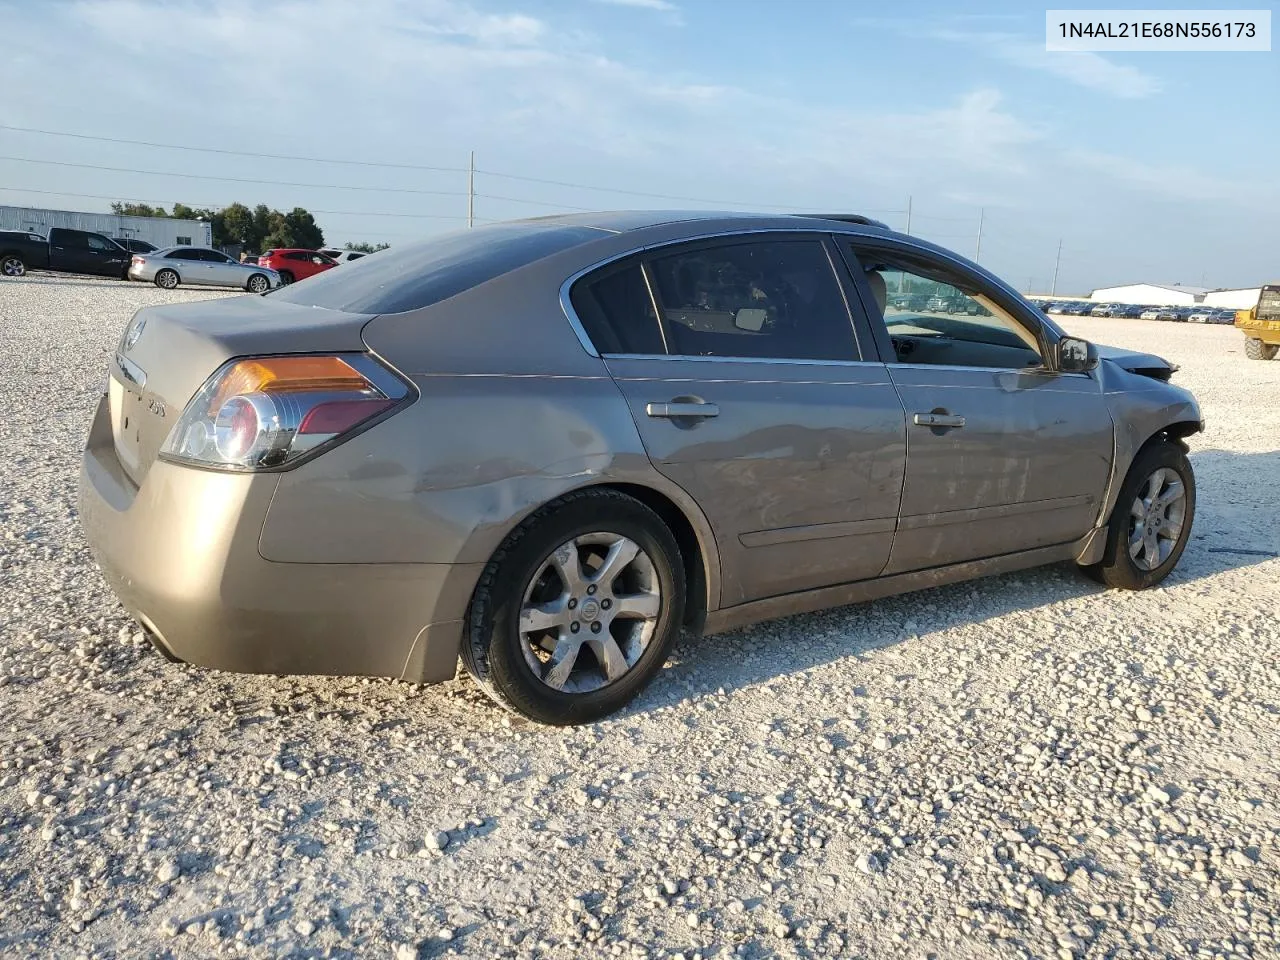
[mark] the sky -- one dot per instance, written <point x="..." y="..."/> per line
<point x="1154" y="167"/>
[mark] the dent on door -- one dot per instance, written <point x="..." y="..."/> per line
<point x="797" y="467"/>
<point x="997" y="461"/>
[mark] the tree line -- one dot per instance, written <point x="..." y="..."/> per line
<point x="255" y="230"/>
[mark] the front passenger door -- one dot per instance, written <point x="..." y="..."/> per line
<point x="1003" y="453"/>
<point x="106" y="257"/>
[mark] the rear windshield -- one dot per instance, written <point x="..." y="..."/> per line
<point x="417" y="275"/>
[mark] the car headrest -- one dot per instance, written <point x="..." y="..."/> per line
<point x="876" y="282"/>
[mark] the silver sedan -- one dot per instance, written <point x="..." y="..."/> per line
<point x="172" y="266"/>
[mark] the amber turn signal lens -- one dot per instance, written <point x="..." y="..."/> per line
<point x="285" y="374"/>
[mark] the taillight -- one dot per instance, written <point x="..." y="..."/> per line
<point x="271" y="411"/>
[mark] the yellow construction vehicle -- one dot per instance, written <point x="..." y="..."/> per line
<point x="1261" y="324"/>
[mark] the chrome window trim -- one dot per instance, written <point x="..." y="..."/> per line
<point x="1036" y="371"/>
<point x="580" y="331"/>
<point x="694" y="358"/>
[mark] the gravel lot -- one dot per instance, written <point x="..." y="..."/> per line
<point x="1025" y="766"/>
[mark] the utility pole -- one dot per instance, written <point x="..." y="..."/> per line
<point x="471" y="191"/>
<point x="1056" y="263"/>
<point x="977" y="254"/>
<point x="908" y="216"/>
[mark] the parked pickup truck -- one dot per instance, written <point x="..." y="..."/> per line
<point x="64" y="251"/>
<point x="1261" y="325"/>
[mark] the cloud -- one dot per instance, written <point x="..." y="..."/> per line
<point x="1083" y="68"/>
<point x="1172" y="181"/>
<point x="662" y="6"/>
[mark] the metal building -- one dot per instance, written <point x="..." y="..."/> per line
<point x="1240" y="298"/>
<point x="1153" y="294"/>
<point x="161" y="231"/>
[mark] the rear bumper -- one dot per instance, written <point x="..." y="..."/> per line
<point x="181" y="552"/>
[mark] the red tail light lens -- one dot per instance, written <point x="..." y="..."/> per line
<point x="269" y="412"/>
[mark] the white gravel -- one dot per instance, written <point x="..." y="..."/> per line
<point x="1027" y="766"/>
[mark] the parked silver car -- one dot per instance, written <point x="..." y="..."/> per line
<point x="548" y="445"/>
<point x="202" y="266"/>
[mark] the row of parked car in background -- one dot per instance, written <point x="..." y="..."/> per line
<point x="1136" y="311"/>
<point x="79" y="251"/>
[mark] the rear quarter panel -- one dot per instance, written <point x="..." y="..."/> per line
<point x="512" y="412"/>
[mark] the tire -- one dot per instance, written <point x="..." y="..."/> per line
<point x="258" y="283"/>
<point x="286" y="278"/>
<point x="509" y="664"/>
<point x="1119" y="566"/>
<point x="12" y="265"/>
<point x="1255" y="349"/>
<point x="167" y="279"/>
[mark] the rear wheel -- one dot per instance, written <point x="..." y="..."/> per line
<point x="12" y="265"/>
<point x="167" y="279"/>
<point x="1255" y="349"/>
<point x="286" y="278"/>
<point x="1152" y="519"/>
<point x="577" y="610"/>
<point x="258" y="283"/>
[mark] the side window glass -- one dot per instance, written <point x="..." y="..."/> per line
<point x="98" y="243"/>
<point x="936" y="316"/>
<point x="614" y="308"/>
<point x="770" y="299"/>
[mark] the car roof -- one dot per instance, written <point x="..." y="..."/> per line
<point x="624" y="221"/>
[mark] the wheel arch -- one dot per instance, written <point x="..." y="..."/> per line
<point x="1130" y="442"/>
<point x="682" y="516"/>
<point x="693" y="549"/>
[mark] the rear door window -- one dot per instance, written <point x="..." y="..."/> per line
<point x="70" y="239"/>
<point x="616" y="311"/>
<point x="774" y="298"/>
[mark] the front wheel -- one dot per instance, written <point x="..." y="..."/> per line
<point x="12" y="265"/>
<point x="258" y="283"/>
<point x="1151" y="522"/>
<point x="167" y="279"/>
<point x="1255" y="349"/>
<point x="577" y="610"/>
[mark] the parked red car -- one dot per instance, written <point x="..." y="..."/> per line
<point x="295" y="264"/>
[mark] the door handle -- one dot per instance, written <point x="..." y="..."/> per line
<point x="678" y="408"/>
<point x="937" y="420"/>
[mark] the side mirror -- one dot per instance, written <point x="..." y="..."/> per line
<point x="1075" y="355"/>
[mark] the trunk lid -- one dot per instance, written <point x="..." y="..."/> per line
<point x="168" y="352"/>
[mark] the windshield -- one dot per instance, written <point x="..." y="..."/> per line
<point x="1269" y="302"/>
<point x="417" y="275"/>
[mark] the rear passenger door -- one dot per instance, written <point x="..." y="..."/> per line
<point x="746" y="377"/>
<point x="69" y="251"/>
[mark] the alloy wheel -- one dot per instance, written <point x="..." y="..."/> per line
<point x="1156" y="517"/>
<point x="589" y="612"/>
<point x="13" y="267"/>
